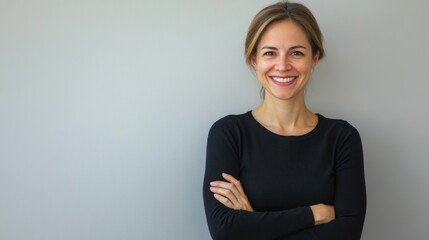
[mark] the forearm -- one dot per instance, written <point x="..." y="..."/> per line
<point x="287" y="222"/>
<point x="349" y="228"/>
<point x="229" y="223"/>
<point x="226" y="223"/>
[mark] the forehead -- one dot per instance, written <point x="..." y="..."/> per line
<point x="283" y="33"/>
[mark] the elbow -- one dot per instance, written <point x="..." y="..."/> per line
<point x="225" y="224"/>
<point x="350" y="226"/>
<point x="220" y="230"/>
<point x="221" y="235"/>
<point x="228" y="234"/>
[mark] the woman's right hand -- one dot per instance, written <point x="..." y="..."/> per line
<point x="322" y="213"/>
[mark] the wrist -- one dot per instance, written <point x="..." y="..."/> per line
<point x="322" y="213"/>
<point x="316" y="214"/>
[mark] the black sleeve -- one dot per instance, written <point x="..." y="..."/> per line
<point x="350" y="193"/>
<point x="225" y="223"/>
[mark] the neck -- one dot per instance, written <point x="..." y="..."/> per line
<point x="285" y="117"/>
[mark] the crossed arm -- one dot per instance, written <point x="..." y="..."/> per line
<point x="231" y="194"/>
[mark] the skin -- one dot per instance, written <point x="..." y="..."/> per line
<point x="283" y="62"/>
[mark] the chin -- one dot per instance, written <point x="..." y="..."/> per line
<point x="283" y="96"/>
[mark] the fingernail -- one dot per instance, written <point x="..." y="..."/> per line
<point x="212" y="183"/>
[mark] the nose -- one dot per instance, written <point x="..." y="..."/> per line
<point x="283" y="64"/>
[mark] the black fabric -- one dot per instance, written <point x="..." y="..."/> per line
<point x="282" y="176"/>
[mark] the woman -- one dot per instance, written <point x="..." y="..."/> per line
<point x="280" y="171"/>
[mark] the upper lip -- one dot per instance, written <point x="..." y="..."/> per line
<point x="282" y="76"/>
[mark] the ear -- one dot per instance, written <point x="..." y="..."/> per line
<point x="315" y="59"/>
<point x="253" y="62"/>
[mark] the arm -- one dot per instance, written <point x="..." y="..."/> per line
<point x="223" y="154"/>
<point x="231" y="194"/>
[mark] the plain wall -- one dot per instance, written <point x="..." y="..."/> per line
<point x="105" y="108"/>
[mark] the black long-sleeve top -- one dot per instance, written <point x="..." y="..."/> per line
<point x="282" y="176"/>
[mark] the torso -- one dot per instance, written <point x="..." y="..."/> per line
<point x="281" y="172"/>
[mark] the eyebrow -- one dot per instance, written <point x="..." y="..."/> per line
<point x="274" y="48"/>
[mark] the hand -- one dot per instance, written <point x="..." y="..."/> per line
<point x="322" y="213"/>
<point x="230" y="193"/>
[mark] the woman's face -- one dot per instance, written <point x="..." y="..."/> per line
<point x="284" y="60"/>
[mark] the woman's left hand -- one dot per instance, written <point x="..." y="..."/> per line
<point x="230" y="193"/>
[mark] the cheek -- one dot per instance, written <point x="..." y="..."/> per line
<point x="263" y="67"/>
<point x="305" y="67"/>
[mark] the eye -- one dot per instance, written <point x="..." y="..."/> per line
<point x="297" y="54"/>
<point x="269" y="53"/>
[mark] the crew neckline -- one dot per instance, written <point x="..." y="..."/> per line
<point x="291" y="137"/>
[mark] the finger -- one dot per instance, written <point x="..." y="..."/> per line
<point x="242" y="198"/>
<point x="225" y="201"/>
<point x="234" y="186"/>
<point x="219" y="183"/>
<point x="234" y="181"/>
<point x="229" y="178"/>
<point x="237" y="190"/>
<point x="223" y="184"/>
<point x="239" y="201"/>
<point x="227" y="193"/>
<point x="226" y="185"/>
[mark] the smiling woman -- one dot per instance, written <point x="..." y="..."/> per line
<point x="281" y="171"/>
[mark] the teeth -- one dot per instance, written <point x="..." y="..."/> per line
<point x="283" y="80"/>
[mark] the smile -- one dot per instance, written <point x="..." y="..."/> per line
<point x="283" y="79"/>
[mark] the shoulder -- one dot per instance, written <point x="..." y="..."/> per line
<point x="230" y="122"/>
<point x="346" y="143"/>
<point x="228" y="131"/>
<point x="345" y="137"/>
<point x="338" y="126"/>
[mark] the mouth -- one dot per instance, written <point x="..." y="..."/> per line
<point x="283" y="81"/>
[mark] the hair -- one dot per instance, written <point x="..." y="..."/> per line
<point x="280" y="11"/>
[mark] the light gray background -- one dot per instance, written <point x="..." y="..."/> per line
<point x="105" y="108"/>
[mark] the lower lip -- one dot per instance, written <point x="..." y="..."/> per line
<point x="283" y="84"/>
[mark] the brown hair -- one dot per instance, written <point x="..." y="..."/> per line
<point x="295" y="12"/>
